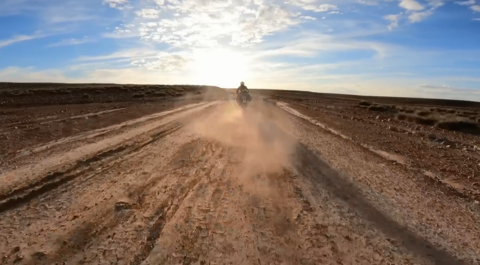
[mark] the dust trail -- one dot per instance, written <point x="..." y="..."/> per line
<point x="255" y="135"/>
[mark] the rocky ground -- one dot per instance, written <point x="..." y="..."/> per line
<point x="296" y="178"/>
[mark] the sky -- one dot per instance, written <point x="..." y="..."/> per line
<point x="410" y="48"/>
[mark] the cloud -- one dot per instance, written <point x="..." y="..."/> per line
<point x="191" y="24"/>
<point x="148" y="13"/>
<point x="134" y="53"/>
<point x="30" y="74"/>
<point x="19" y="38"/>
<point x="411" y="5"/>
<point x="118" y="4"/>
<point x="435" y="3"/>
<point x="439" y="89"/>
<point x="70" y="42"/>
<point x="312" y="5"/>
<point x="466" y="3"/>
<point x="434" y="86"/>
<point x="475" y="8"/>
<point x="321" y="8"/>
<point x="308" y="17"/>
<point x="162" y="62"/>
<point x="476" y="19"/>
<point x="394" y="19"/>
<point x="367" y="3"/>
<point x="420" y="16"/>
<point x="122" y="76"/>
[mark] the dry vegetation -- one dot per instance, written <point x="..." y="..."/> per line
<point x="21" y="94"/>
<point x="447" y="119"/>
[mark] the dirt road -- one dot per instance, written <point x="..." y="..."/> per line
<point x="209" y="183"/>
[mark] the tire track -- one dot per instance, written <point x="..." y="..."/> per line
<point x="183" y="163"/>
<point x="81" y="168"/>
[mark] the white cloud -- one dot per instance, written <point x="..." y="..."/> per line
<point x="475" y="8"/>
<point x="420" y="16"/>
<point x="476" y="19"/>
<point x="211" y="23"/>
<point x="439" y="89"/>
<point x="435" y="3"/>
<point x="313" y="5"/>
<point x="162" y="62"/>
<point x="411" y="5"/>
<point x="466" y="3"/>
<point x="29" y="74"/>
<point x="321" y="8"/>
<point x="394" y="19"/>
<point x="18" y="38"/>
<point x="367" y="3"/>
<point x="148" y="13"/>
<point x="70" y="42"/>
<point x="118" y="4"/>
<point x="136" y="53"/>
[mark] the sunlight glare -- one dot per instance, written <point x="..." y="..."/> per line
<point x="220" y="67"/>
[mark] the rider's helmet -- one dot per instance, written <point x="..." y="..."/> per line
<point x="242" y="83"/>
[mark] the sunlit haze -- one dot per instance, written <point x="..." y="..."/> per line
<point x="413" y="48"/>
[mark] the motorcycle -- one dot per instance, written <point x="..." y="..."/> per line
<point x="243" y="98"/>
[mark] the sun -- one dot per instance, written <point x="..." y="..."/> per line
<point x="220" y="67"/>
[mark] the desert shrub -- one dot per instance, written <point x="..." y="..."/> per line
<point x="409" y="111"/>
<point x="470" y="113"/>
<point x="423" y="113"/>
<point x="450" y="111"/>
<point x="417" y="119"/>
<point x="473" y="118"/>
<point x="392" y="107"/>
<point x="139" y="95"/>
<point x="377" y="108"/>
<point x="425" y="121"/>
<point x="401" y="117"/>
<point x="461" y="126"/>
<point x="86" y="96"/>
<point x="365" y="103"/>
<point x="159" y="94"/>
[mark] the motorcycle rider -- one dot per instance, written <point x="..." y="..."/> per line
<point x="242" y="88"/>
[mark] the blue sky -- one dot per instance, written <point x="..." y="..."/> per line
<point x="413" y="48"/>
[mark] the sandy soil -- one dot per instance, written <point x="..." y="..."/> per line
<point x="210" y="183"/>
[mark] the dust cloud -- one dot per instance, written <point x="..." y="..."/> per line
<point x="256" y="137"/>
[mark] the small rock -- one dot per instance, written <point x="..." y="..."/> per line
<point x="476" y="202"/>
<point x="39" y="255"/>
<point x="432" y="136"/>
<point x="18" y="258"/>
<point x="393" y="129"/>
<point x="378" y="117"/>
<point x="16" y="249"/>
<point x="122" y="205"/>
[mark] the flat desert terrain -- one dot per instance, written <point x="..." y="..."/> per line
<point x="163" y="174"/>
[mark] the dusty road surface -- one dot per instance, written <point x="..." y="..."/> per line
<point x="210" y="183"/>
